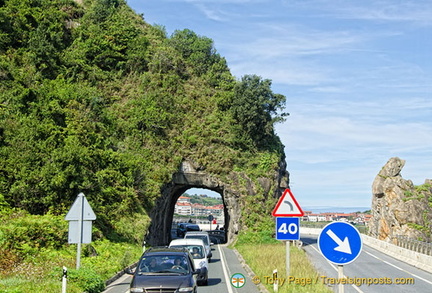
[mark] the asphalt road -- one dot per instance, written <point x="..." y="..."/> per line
<point x="371" y="266"/>
<point x="223" y="265"/>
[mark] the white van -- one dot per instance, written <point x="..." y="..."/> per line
<point x="204" y="236"/>
<point x="197" y="249"/>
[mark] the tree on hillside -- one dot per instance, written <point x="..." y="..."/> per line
<point x="256" y="108"/>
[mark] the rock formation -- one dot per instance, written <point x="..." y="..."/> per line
<point x="399" y="207"/>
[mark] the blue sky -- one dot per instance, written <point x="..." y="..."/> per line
<point x="357" y="76"/>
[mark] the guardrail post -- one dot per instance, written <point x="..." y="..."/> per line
<point x="275" y="281"/>
<point x="64" y="280"/>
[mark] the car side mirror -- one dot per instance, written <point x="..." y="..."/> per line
<point x="197" y="272"/>
<point x="129" y="271"/>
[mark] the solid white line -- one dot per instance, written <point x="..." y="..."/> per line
<point x="227" y="278"/>
<point x="395" y="266"/>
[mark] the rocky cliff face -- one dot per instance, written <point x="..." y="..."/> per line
<point x="399" y="207"/>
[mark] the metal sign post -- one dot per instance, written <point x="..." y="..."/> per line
<point x="340" y="276"/>
<point x="287" y="258"/>
<point x="287" y="211"/>
<point x="80" y="230"/>
<point x="210" y="218"/>
<point x="287" y="229"/>
<point x="80" y="218"/>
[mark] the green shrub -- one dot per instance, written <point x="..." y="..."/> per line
<point x="87" y="279"/>
<point x="29" y="233"/>
<point x="261" y="237"/>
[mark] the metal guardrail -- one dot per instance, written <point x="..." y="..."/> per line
<point x="413" y="244"/>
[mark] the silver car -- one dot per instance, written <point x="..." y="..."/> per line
<point x="205" y="237"/>
<point x="197" y="249"/>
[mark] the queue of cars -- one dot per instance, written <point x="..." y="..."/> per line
<point x="182" y="228"/>
<point x="181" y="267"/>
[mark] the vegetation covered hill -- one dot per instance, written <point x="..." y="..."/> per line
<point x="206" y="201"/>
<point x="95" y="100"/>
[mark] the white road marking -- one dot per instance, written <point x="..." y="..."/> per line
<point x="395" y="266"/>
<point x="225" y="268"/>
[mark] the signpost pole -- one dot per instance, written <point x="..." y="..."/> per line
<point x="340" y="276"/>
<point x="80" y="216"/>
<point x="287" y="261"/>
<point x="210" y="218"/>
<point x="80" y="229"/>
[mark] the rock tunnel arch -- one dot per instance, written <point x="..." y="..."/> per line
<point x="191" y="176"/>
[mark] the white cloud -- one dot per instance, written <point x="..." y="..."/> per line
<point x="269" y="41"/>
<point x="290" y="74"/>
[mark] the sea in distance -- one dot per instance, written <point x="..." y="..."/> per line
<point x="329" y="209"/>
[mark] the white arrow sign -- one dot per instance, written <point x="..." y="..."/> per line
<point x="343" y="246"/>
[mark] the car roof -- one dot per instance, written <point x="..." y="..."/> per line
<point x="164" y="251"/>
<point x="197" y="233"/>
<point x="190" y="241"/>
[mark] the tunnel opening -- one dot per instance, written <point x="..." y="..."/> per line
<point x="201" y="209"/>
<point x="190" y="177"/>
<point x="231" y="189"/>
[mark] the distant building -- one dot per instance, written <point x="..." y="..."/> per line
<point x="183" y="208"/>
<point x="316" y="217"/>
<point x="183" y="199"/>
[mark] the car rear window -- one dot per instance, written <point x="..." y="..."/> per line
<point x="163" y="264"/>
<point x="203" y="237"/>
<point x="192" y="228"/>
<point x="197" y="251"/>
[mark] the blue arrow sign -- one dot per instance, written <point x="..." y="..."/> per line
<point x="340" y="243"/>
<point x="287" y="229"/>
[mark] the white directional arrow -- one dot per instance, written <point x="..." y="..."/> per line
<point x="343" y="245"/>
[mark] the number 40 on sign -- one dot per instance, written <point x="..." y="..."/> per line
<point x="287" y="229"/>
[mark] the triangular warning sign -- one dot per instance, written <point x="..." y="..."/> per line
<point x="287" y="206"/>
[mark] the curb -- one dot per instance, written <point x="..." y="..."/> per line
<point x="249" y="271"/>
<point x="119" y="274"/>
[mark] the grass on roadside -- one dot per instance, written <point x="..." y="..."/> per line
<point x="34" y="249"/>
<point x="264" y="258"/>
<point x="42" y="273"/>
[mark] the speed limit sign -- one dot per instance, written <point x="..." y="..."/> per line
<point x="287" y="228"/>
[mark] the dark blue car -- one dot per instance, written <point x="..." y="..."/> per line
<point x="165" y="270"/>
